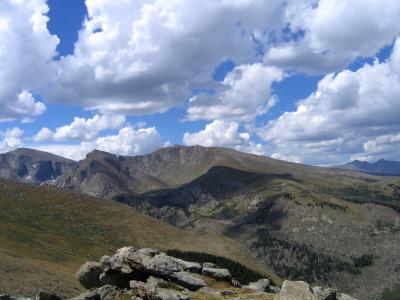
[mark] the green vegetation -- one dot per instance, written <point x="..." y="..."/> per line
<point x="364" y="260"/>
<point x="391" y="294"/>
<point x="238" y="271"/>
<point x="298" y="261"/>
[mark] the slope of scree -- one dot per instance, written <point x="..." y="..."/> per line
<point x="46" y="233"/>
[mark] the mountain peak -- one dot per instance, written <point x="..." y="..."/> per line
<point x="380" y="167"/>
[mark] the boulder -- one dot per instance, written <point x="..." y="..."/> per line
<point x="188" y="280"/>
<point x="299" y="290"/>
<point x="324" y="293"/>
<point x="89" y="275"/>
<point x="150" y="291"/>
<point x="116" y="271"/>
<point x="216" y="273"/>
<point x="274" y="289"/>
<point x="106" y="292"/>
<point x="261" y="285"/>
<point x="192" y="267"/>
<point x="44" y="295"/>
<point x="295" y="290"/>
<point x="153" y="263"/>
<point x="344" y="297"/>
<point x="209" y="292"/>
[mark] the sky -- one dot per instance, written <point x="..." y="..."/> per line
<point x="307" y="81"/>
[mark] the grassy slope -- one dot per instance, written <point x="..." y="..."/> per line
<point x="45" y="234"/>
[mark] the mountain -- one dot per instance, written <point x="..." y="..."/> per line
<point x="107" y="175"/>
<point x="325" y="226"/>
<point x="47" y="233"/>
<point x="32" y="166"/>
<point x="380" y="167"/>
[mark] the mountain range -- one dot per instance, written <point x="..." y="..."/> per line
<point x="380" y="167"/>
<point x="327" y="226"/>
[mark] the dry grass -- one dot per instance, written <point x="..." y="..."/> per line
<point x="46" y="234"/>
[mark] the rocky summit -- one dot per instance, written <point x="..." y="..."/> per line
<point x="153" y="275"/>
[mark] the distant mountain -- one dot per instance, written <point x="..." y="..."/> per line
<point x="380" y="167"/>
<point x="32" y="166"/>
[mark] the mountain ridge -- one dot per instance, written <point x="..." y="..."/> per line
<point x="380" y="167"/>
<point x="32" y="166"/>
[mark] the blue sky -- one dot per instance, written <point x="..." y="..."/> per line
<point x="312" y="85"/>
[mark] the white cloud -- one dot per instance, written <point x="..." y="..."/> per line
<point x="128" y="141"/>
<point x="218" y="133"/>
<point x="347" y="110"/>
<point x="82" y="129"/>
<point x="335" y="32"/>
<point x="141" y="57"/>
<point x="245" y="94"/>
<point x="11" y="139"/>
<point x="291" y="158"/>
<point x="26" y="50"/>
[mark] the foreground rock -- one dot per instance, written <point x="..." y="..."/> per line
<point x="152" y="275"/>
<point x="295" y="290"/>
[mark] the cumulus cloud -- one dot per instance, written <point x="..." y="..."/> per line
<point x="82" y="129"/>
<point x="217" y="133"/>
<point x="26" y="50"/>
<point x="11" y="139"/>
<point x="128" y="141"/>
<point x="332" y="33"/>
<point x="141" y="57"/>
<point x="220" y="133"/>
<point x="245" y="93"/>
<point x="348" y="110"/>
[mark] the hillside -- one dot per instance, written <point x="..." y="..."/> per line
<point x="325" y="226"/>
<point x="380" y="167"/>
<point x="32" y="166"/>
<point x="46" y="233"/>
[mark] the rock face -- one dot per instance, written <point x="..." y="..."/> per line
<point x="152" y="275"/>
<point x="32" y="166"/>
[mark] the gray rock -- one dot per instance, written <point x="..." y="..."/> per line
<point x="89" y="275"/>
<point x="216" y="273"/>
<point x="152" y="292"/>
<point x="192" y="267"/>
<point x="299" y="290"/>
<point x="106" y="292"/>
<point x="345" y="297"/>
<point x="209" y="265"/>
<point x="44" y="295"/>
<point x="324" y="293"/>
<point x="116" y="272"/>
<point x="228" y="293"/>
<point x="188" y="280"/>
<point x="274" y="289"/>
<point x="153" y="262"/>
<point x="295" y="290"/>
<point x="235" y="283"/>
<point x="261" y="285"/>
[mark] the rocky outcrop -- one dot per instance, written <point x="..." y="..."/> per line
<point x="153" y="275"/>
<point x="296" y="290"/>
